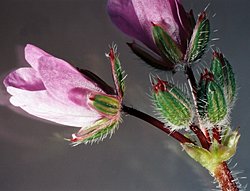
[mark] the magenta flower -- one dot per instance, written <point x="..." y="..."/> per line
<point x="140" y="18"/>
<point x="52" y="89"/>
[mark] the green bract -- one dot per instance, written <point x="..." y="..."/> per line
<point x="172" y="104"/>
<point x="217" y="153"/>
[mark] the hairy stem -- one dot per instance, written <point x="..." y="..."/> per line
<point x="224" y="177"/>
<point x="155" y="122"/>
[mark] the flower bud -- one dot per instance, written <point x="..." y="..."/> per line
<point x="224" y="76"/>
<point x="166" y="45"/>
<point x="199" y="39"/>
<point x="172" y="104"/>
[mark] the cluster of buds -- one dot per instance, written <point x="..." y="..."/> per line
<point x="214" y="97"/>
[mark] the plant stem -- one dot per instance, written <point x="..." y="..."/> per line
<point x="224" y="177"/>
<point x="202" y="138"/>
<point x="155" y="122"/>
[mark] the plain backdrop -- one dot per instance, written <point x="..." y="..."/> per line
<point x="138" y="157"/>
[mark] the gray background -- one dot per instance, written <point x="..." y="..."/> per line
<point x="138" y="157"/>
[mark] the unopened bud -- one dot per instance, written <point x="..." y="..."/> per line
<point x="172" y="104"/>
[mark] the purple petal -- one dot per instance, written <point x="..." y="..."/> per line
<point x="135" y="17"/>
<point x="60" y="78"/>
<point x="32" y="55"/>
<point x="42" y="105"/>
<point x="24" y="78"/>
<point x="123" y="15"/>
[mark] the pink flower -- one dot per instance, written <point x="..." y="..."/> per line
<point x="52" y="89"/>
<point x="162" y="25"/>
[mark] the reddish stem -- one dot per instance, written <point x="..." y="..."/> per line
<point x="224" y="177"/>
<point x="216" y="134"/>
<point x="202" y="138"/>
<point x="158" y="124"/>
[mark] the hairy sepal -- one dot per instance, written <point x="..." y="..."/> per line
<point x="95" y="133"/>
<point x="216" y="103"/>
<point x="168" y="48"/>
<point x="224" y="76"/>
<point x="118" y="74"/>
<point x="199" y="39"/>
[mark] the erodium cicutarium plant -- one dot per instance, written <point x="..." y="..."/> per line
<point x="167" y="38"/>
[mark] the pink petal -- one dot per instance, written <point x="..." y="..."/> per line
<point x="42" y="105"/>
<point x="32" y="55"/>
<point x="24" y="78"/>
<point x="60" y="78"/>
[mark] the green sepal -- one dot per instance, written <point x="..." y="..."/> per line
<point x="172" y="104"/>
<point x="108" y="105"/>
<point x="199" y="39"/>
<point x="166" y="45"/>
<point x="118" y="74"/>
<point x="102" y="133"/>
<point x="216" y="103"/>
<point x="202" y="98"/>
<point x="95" y="133"/>
<point x="224" y="76"/>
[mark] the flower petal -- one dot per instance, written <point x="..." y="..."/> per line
<point x="24" y="78"/>
<point x="123" y="15"/>
<point x="60" y="78"/>
<point x="135" y="17"/>
<point x="42" y="105"/>
<point x="32" y="55"/>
